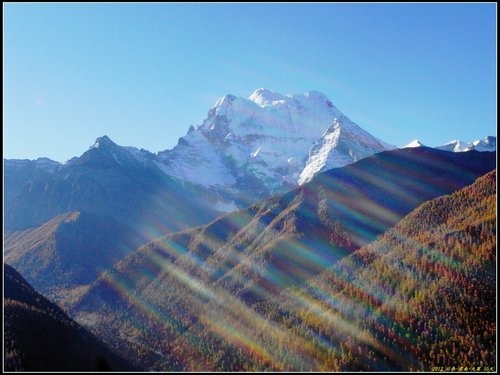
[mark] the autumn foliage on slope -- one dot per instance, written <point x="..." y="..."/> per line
<point x="421" y="297"/>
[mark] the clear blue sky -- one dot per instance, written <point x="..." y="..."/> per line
<point x="142" y="73"/>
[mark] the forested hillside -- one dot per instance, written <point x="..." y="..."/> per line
<point x="422" y="295"/>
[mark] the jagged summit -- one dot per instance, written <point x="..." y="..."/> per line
<point x="487" y="144"/>
<point x="225" y="100"/>
<point x="343" y="143"/>
<point x="248" y="149"/>
<point x="454" y="146"/>
<point x="257" y="146"/>
<point x="103" y="141"/>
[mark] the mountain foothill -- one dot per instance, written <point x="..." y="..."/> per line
<point x="275" y="236"/>
<point x="39" y="336"/>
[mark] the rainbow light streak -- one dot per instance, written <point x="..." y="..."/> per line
<point x="333" y="319"/>
<point x="121" y="287"/>
<point x="338" y="301"/>
<point x="239" y="327"/>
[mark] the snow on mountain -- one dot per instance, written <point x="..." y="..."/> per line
<point x="104" y="150"/>
<point x="194" y="160"/>
<point x="343" y="143"/>
<point x="266" y="143"/>
<point x="248" y="149"/>
<point x="141" y="155"/>
<point x="487" y="144"/>
<point x="454" y="146"/>
<point x="101" y="142"/>
<point x="414" y="143"/>
<point x="264" y="97"/>
<point x="255" y="136"/>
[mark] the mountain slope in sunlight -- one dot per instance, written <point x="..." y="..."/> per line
<point x="210" y="285"/>
<point x="67" y="252"/>
<point x="421" y="297"/>
<point x="39" y="336"/>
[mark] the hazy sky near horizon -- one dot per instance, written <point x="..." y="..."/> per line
<point x="143" y="73"/>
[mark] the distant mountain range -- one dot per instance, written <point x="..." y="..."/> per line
<point x="39" y="336"/>
<point x="106" y="180"/>
<point x="244" y="151"/>
<point x="487" y="144"/>
<point x="111" y="199"/>
<point x="89" y="213"/>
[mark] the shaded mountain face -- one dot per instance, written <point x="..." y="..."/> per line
<point x="66" y="223"/>
<point x="107" y="180"/>
<point x="245" y="150"/>
<point x="193" y="285"/>
<point x="39" y="336"/>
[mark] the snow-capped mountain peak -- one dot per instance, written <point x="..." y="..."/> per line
<point x="225" y="100"/>
<point x="487" y="144"/>
<point x="247" y="149"/>
<point x="343" y="143"/>
<point x="454" y="146"/>
<point x="414" y="143"/>
<point x="105" y="153"/>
